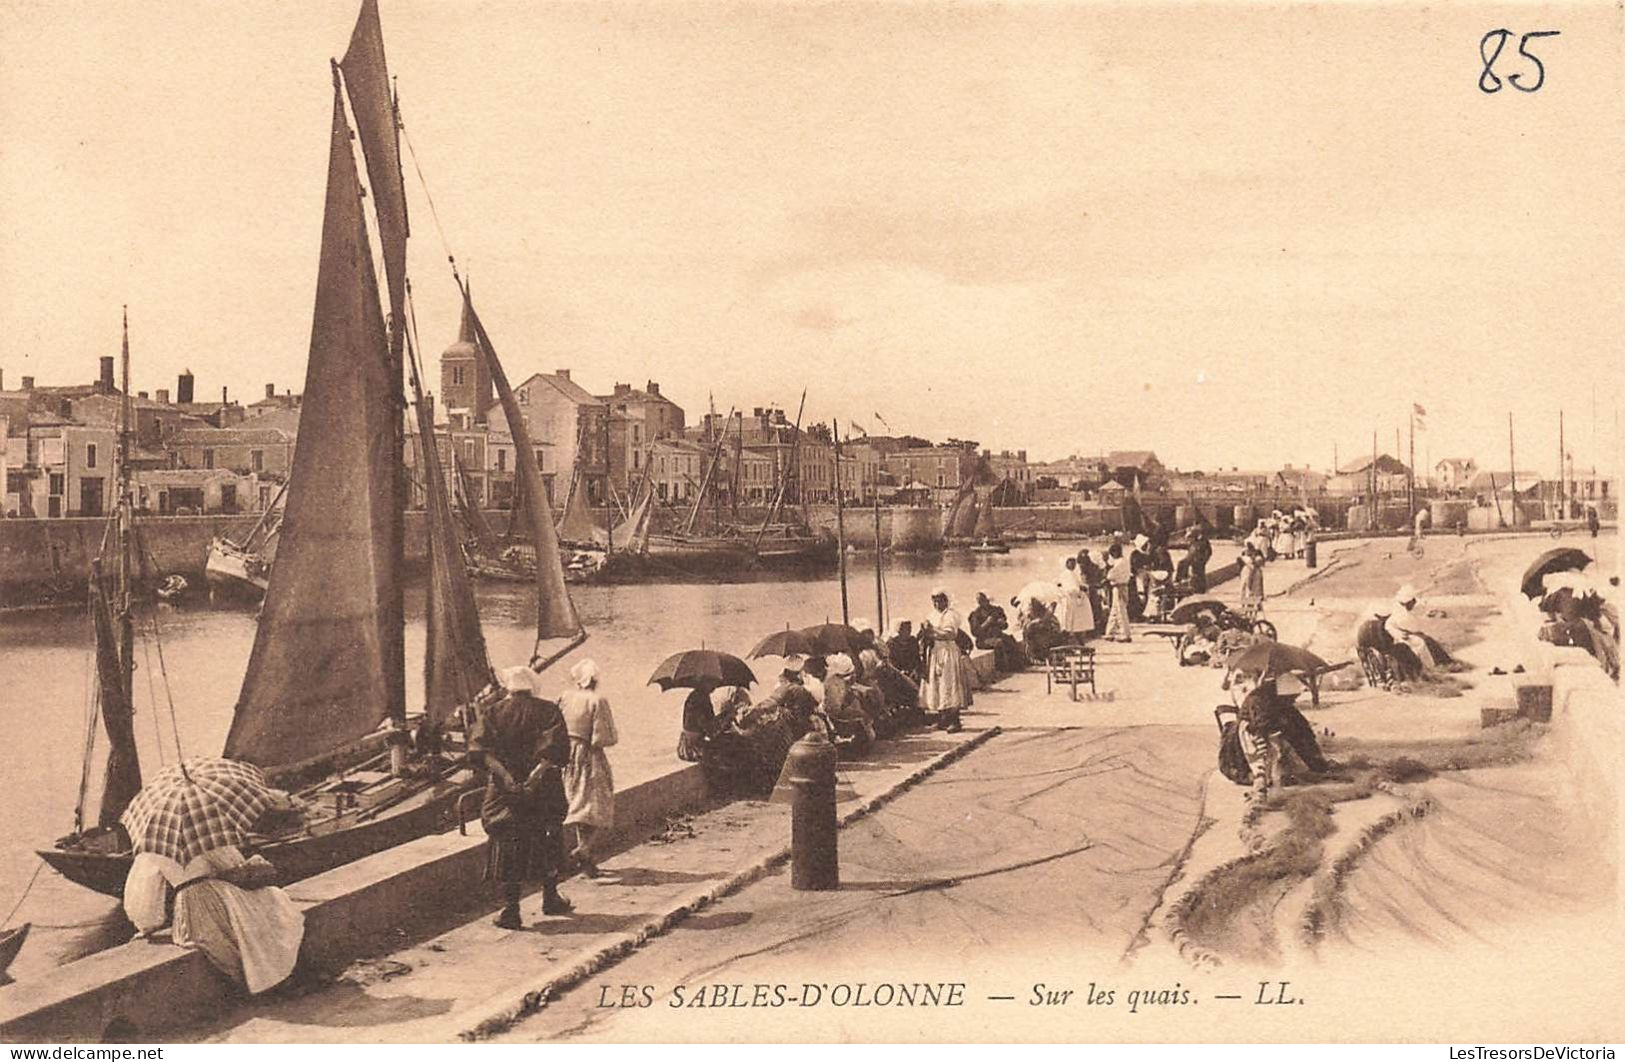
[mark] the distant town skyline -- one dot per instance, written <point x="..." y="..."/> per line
<point x="1022" y="225"/>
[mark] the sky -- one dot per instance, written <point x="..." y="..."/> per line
<point x="1238" y="235"/>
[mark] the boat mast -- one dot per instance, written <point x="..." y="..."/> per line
<point x="840" y="520"/>
<point x="784" y="480"/>
<point x="880" y="592"/>
<point x="126" y="515"/>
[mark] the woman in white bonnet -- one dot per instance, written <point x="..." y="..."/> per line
<point x="588" y="782"/>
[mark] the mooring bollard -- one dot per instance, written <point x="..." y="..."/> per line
<point x="1309" y="552"/>
<point x="814" y="861"/>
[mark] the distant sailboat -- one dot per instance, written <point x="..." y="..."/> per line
<point x="322" y="707"/>
<point x="244" y="568"/>
<point x="986" y="533"/>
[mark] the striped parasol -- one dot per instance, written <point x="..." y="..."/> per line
<point x="196" y="806"/>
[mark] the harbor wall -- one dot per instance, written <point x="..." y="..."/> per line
<point x="142" y="989"/>
<point x="910" y="529"/>
<point x="45" y="559"/>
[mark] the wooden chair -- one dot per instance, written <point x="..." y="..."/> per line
<point x="1072" y="666"/>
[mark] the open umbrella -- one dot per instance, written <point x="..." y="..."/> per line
<point x="783" y="643"/>
<point x="196" y="806"/>
<point x="1188" y="609"/>
<point x="1272" y="658"/>
<point x="690" y="668"/>
<point x="830" y="638"/>
<point x="1562" y="559"/>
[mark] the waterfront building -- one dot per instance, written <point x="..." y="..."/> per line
<point x="1012" y="474"/>
<point x="569" y="424"/>
<point x="1455" y="474"/>
<point x="942" y="469"/>
<point x="1355" y="478"/>
<point x="254" y="448"/>
<point x="676" y="469"/>
<point x="660" y="417"/>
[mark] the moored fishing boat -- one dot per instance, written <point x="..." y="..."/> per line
<point x="322" y="707"/>
<point x="244" y="568"/>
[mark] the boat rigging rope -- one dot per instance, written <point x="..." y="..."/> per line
<point x="26" y="890"/>
<point x="169" y="695"/>
<point x="92" y="713"/>
<point x="152" y="702"/>
<point x="445" y="245"/>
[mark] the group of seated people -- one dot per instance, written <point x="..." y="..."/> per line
<point x="743" y="746"/>
<point x="1581" y="611"/>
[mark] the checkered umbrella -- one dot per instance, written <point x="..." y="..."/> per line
<point x="196" y="806"/>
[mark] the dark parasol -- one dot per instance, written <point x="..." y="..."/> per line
<point x="690" y="668"/>
<point x="1562" y="559"/>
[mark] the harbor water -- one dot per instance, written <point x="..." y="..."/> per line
<point x="199" y="656"/>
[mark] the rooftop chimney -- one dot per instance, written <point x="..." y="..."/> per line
<point x="141" y="394"/>
<point x="28" y="383"/>
<point x="183" y="388"/>
<point x="105" y="384"/>
<point x="623" y="389"/>
<point x="163" y="395"/>
<point x="653" y="388"/>
<point x="563" y="374"/>
<point x="223" y="399"/>
<point x="270" y="390"/>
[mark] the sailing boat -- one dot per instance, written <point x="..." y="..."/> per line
<point x="245" y="567"/>
<point x="322" y="707"/>
<point x="585" y="545"/>
<point x="960" y="528"/>
<point x="986" y="532"/>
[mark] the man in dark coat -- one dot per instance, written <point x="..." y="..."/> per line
<point x="523" y="743"/>
<point x="1195" y="561"/>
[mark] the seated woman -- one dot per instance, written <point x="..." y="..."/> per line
<point x="699" y="721"/>
<point x="1270" y="724"/>
<point x="1042" y="631"/>
<point x="988" y="629"/>
<point x="225" y="906"/>
<point x="899" y="693"/>
<point x="844" y="707"/>
<point x="1200" y="643"/>
<point x="903" y="650"/>
<point x="748" y="750"/>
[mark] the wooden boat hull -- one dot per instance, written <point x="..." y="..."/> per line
<point x="11" y="942"/>
<point x="431" y="809"/>
<point x="234" y="571"/>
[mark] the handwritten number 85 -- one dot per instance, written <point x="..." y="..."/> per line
<point x="1487" y="81"/>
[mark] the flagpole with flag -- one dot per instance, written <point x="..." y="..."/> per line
<point x="1416" y="412"/>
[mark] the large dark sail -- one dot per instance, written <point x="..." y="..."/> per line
<point x="327" y="664"/>
<point x="963" y="522"/>
<point x="366" y="77"/>
<point x="576" y="524"/>
<point x="455" y="663"/>
<point x="555" y="612"/>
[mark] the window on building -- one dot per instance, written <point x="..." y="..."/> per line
<point x="57" y="485"/>
<point x="502" y="460"/>
<point x="471" y="453"/>
<point x="256" y="460"/>
<point x="524" y="398"/>
<point x="90" y="455"/>
<point x="208" y="458"/>
<point x="540" y="464"/>
<point x="457" y="374"/>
